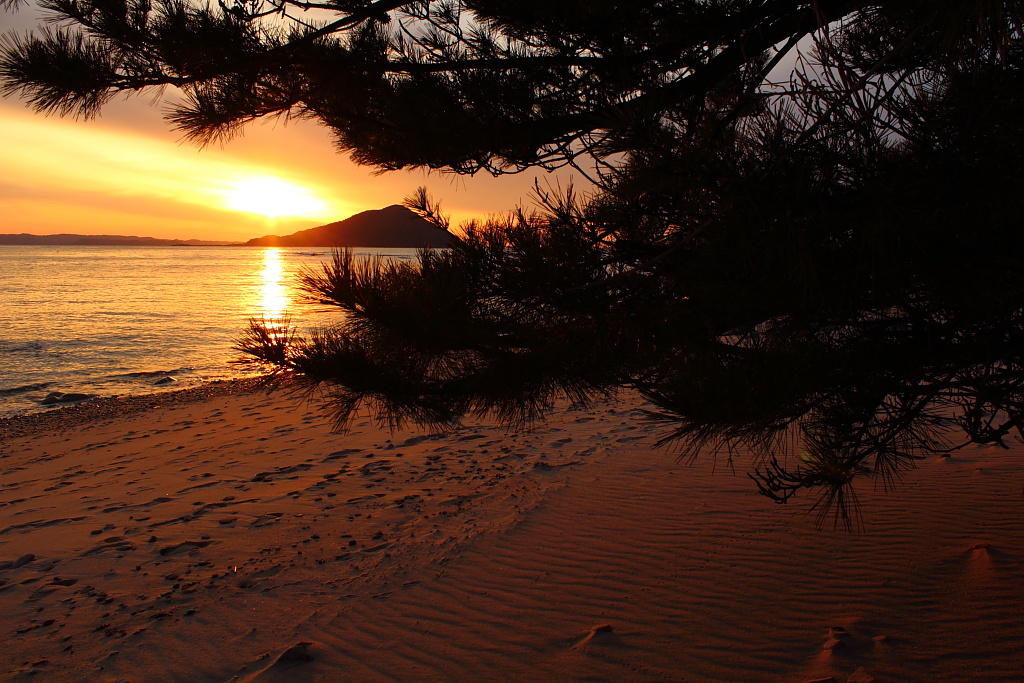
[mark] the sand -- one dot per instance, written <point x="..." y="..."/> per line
<point x="230" y="536"/>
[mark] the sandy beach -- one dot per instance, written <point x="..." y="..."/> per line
<point x="229" y="535"/>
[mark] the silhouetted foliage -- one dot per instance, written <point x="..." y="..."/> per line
<point x="823" y="267"/>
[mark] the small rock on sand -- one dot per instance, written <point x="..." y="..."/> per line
<point x="55" y="397"/>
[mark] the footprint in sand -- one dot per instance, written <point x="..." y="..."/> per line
<point x="270" y="476"/>
<point x="20" y="562"/>
<point x="266" y="519"/>
<point x="343" y="453"/>
<point x="184" y="545"/>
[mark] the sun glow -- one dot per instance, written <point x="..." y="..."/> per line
<point x="273" y="197"/>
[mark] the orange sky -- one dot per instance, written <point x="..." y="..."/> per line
<point x="128" y="173"/>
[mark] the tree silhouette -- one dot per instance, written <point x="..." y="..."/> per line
<point x="822" y="266"/>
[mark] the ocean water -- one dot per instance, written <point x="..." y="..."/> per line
<point x="117" y="320"/>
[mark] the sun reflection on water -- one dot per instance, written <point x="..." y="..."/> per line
<point x="274" y="299"/>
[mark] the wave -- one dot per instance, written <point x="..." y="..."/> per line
<point x="151" y="373"/>
<point x="134" y="314"/>
<point x="22" y="347"/>
<point x="25" y="388"/>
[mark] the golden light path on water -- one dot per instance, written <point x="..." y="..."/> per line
<point x="274" y="299"/>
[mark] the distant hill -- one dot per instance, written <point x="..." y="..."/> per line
<point x="394" y="226"/>
<point x="104" y="240"/>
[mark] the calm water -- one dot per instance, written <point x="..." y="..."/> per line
<point x="115" y="320"/>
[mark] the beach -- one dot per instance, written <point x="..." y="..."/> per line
<point x="227" y="534"/>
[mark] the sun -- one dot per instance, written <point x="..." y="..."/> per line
<point x="273" y="198"/>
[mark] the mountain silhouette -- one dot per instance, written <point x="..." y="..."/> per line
<point x="393" y="226"/>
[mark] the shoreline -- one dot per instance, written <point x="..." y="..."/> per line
<point x="114" y="407"/>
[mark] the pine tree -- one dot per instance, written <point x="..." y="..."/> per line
<point x="822" y="266"/>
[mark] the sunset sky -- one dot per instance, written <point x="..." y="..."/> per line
<point x="128" y="173"/>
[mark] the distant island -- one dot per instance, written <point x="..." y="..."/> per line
<point x="66" y="239"/>
<point x="393" y="226"/>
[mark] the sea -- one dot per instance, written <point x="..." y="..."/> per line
<point x="119" y="321"/>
